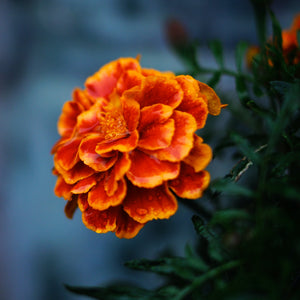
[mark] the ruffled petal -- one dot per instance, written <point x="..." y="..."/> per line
<point x="124" y="144"/>
<point x="98" y="198"/>
<point x="82" y="97"/>
<point x="213" y="101"/>
<point x="156" y="90"/>
<point x="78" y="172"/>
<point x="190" y="184"/>
<point x="157" y="136"/>
<point x="127" y="227"/>
<point x="89" y="156"/>
<point x="67" y="154"/>
<point x="131" y="113"/>
<point x="84" y="185"/>
<point x="144" y="205"/>
<point x="200" y="155"/>
<point x="182" y="141"/>
<point x="129" y="80"/>
<point x="62" y="189"/>
<point x="193" y="103"/>
<point x="146" y="171"/>
<point x="68" y="119"/>
<point x="103" y="82"/>
<point x="153" y="72"/>
<point x="71" y="207"/>
<point x="117" y="172"/>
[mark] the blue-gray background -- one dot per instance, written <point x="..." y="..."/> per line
<point x="46" y="49"/>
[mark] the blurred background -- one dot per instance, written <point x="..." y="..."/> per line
<point x="46" y="49"/>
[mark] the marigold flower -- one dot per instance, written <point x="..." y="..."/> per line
<point x="128" y="143"/>
<point x="290" y="46"/>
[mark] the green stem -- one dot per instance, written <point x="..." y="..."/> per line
<point x="207" y="276"/>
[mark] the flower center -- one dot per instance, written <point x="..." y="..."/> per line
<point x="112" y="123"/>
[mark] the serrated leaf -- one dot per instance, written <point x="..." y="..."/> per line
<point x="227" y="186"/>
<point x="240" y="55"/>
<point x="217" y="50"/>
<point x="228" y="215"/>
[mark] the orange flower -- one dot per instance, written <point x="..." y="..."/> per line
<point x="290" y="47"/>
<point x="127" y="141"/>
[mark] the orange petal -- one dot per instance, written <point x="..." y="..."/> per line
<point x="146" y="171"/>
<point x="153" y="72"/>
<point x="190" y="184"/>
<point x="131" y="113"/>
<point x="296" y="23"/>
<point x="78" y="172"/>
<point x="98" y="198"/>
<point x="156" y="90"/>
<point x="157" y="136"/>
<point x="103" y="82"/>
<point x="200" y="155"/>
<point x="62" y="189"/>
<point x="128" y="80"/>
<point x="192" y="103"/>
<point x="84" y="185"/>
<point x="127" y="227"/>
<point x="68" y="119"/>
<point x="182" y="141"/>
<point x="117" y="172"/>
<point x="144" y="205"/>
<point x="82" y="97"/>
<point x="157" y="113"/>
<point x="213" y="101"/>
<point x="71" y="207"/>
<point x="101" y="221"/>
<point x="89" y="156"/>
<point x="124" y="144"/>
<point x="67" y="154"/>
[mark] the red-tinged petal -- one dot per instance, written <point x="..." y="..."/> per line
<point x="67" y="155"/>
<point x="82" y="97"/>
<point x="131" y="113"/>
<point x="98" y="198"/>
<point x="157" y="136"/>
<point x="213" y="101"/>
<point x="153" y="72"/>
<point x="103" y="82"/>
<point x="88" y="121"/>
<point x="71" y="207"/>
<point x="296" y="23"/>
<point x="192" y="102"/>
<point x="89" y="156"/>
<point x="128" y="80"/>
<point x="190" y="184"/>
<point x="156" y="90"/>
<point x="78" y="172"/>
<point x="68" y="119"/>
<point x="147" y="171"/>
<point x="59" y="143"/>
<point x="182" y="141"/>
<point x="127" y="227"/>
<point x="82" y="202"/>
<point x="144" y="205"/>
<point x="101" y="221"/>
<point x="157" y="113"/>
<point x="116" y="173"/>
<point x="84" y="185"/>
<point x="200" y="156"/>
<point x="124" y="144"/>
<point x="62" y="189"/>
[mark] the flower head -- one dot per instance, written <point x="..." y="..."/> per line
<point x="128" y="143"/>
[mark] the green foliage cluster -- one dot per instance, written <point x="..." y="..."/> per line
<point x="249" y="248"/>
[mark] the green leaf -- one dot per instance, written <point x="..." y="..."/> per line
<point x="277" y="36"/>
<point x="281" y="86"/>
<point x="176" y="266"/>
<point x="298" y="38"/>
<point x="217" y="50"/>
<point x="227" y="186"/>
<point x="242" y="90"/>
<point x="213" y="81"/>
<point x="228" y="215"/>
<point x="240" y="55"/>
